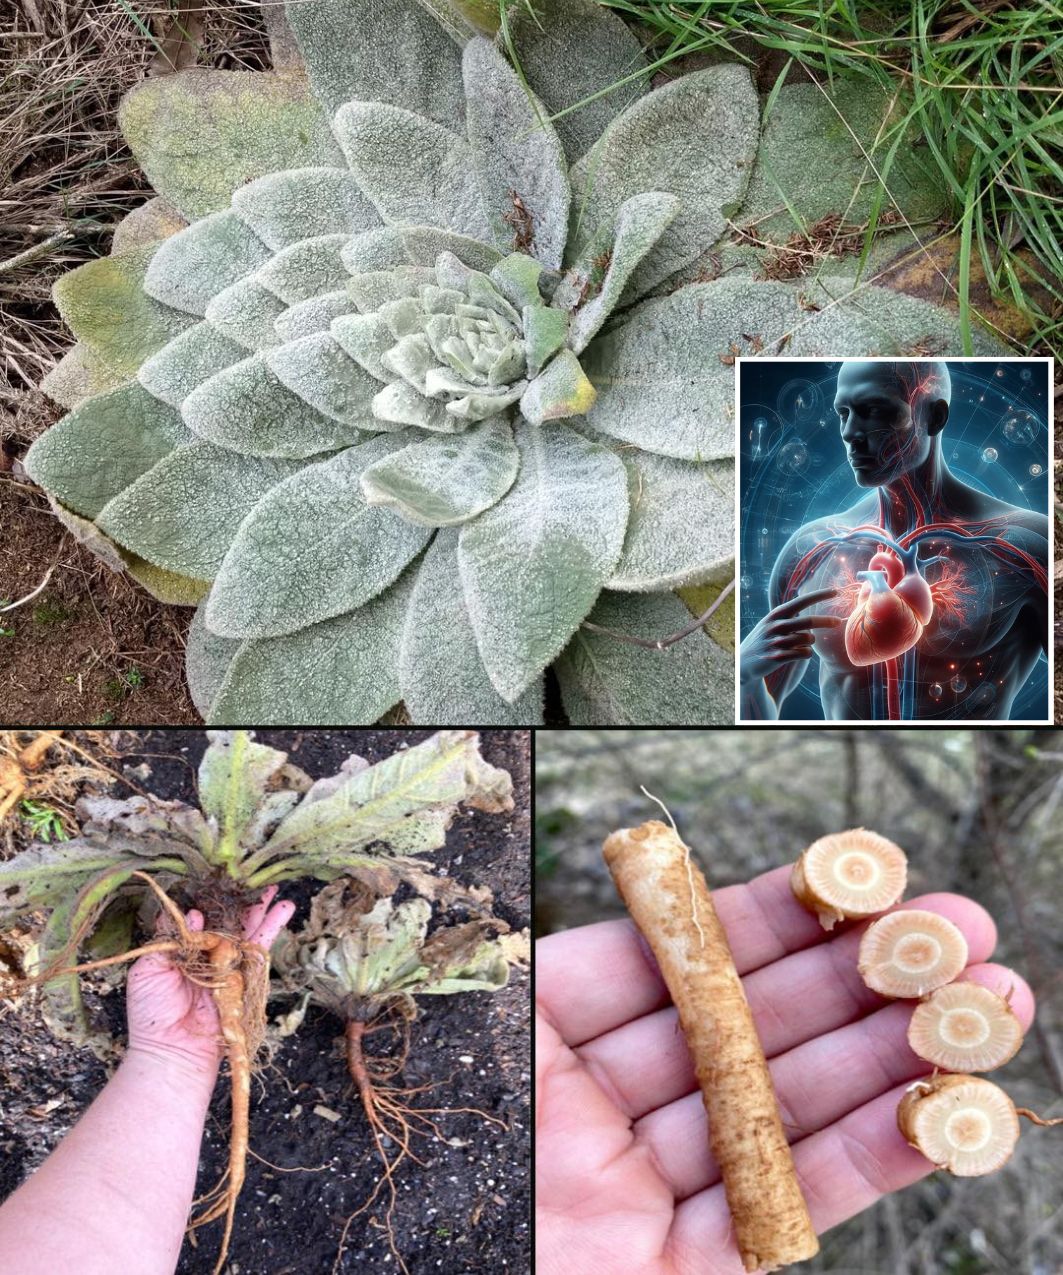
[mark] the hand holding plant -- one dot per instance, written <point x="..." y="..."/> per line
<point x="627" y="1179"/>
<point x="171" y="1016"/>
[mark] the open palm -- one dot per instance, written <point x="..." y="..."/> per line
<point x="627" y="1184"/>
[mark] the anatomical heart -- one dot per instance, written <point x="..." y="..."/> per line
<point x="894" y="539"/>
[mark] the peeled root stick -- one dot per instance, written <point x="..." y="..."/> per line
<point x="670" y="902"/>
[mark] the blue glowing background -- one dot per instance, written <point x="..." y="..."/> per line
<point x="792" y="468"/>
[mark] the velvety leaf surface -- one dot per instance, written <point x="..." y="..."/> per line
<point x="533" y="564"/>
<point x="319" y="371"/>
<point x="515" y="151"/>
<point x="184" y="513"/>
<point x="78" y="375"/>
<point x="200" y="134"/>
<point x="382" y="51"/>
<point x="104" y="304"/>
<point x="194" y="265"/>
<point x="438" y="482"/>
<point x="303" y="203"/>
<point x="306" y="269"/>
<point x="396" y="802"/>
<point x="665" y="376"/>
<point x="810" y="159"/>
<point x="413" y="169"/>
<point x="442" y="676"/>
<point x="311" y="549"/>
<point x="153" y="220"/>
<point x="572" y="50"/>
<point x="247" y="408"/>
<point x="207" y="660"/>
<point x="175" y="371"/>
<point x="605" y="682"/>
<point x="104" y="445"/>
<point x="681" y="528"/>
<point x="695" y="138"/>
<point x="640" y="223"/>
<point x="246" y="312"/>
<point x="341" y="672"/>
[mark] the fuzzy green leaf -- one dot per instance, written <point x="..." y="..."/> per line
<point x="640" y="223"/>
<point x="187" y="361"/>
<point x="200" y="134"/>
<point x="605" y="682"/>
<point x="315" y="314"/>
<point x="246" y="312"/>
<point x="41" y="875"/>
<point x="381" y="51"/>
<point x="104" y="304"/>
<point x="194" y="265"/>
<point x="443" y="678"/>
<point x="438" y="482"/>
<point x="561" y="389"/>
<point x="306" y="269"/>
<point x="304" y="203"/>
<point x="681" y="527"/>
<point x="104" y="445"/>
<point x="340" y="672"/>
<point x="318" y="370"/>
<point x="396" y="803"/>
<point x="413" y="170"/>
<point x="572" y="50"/>
<point x="515" y="152"/>
<point x="695" y="138"/>
<point x="79" y="375"/>
<point x="533" y="564"/>
<point x="184" y="513"/>
<point x="207" y="660"/>
<point x="247" y="408"/>
<point x="234" y="776"/>
<point x="311" y="549"/>
<point x="810" y="160"/>
<point x="147" y="224"/>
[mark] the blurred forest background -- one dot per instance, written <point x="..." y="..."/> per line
<point x="979" y="812"/>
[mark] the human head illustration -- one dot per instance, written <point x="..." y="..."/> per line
<point x="890" y="414"/>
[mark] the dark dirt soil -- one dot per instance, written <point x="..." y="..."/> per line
<point x="92" y="647"/>
<point x="466" y="1209"/>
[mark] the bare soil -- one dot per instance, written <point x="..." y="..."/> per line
<point x="466" y="1209"/>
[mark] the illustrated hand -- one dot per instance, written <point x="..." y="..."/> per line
<point x="784" y="636"/>
<point x="172" y="1017"/>
<point x="627" y="1184"/>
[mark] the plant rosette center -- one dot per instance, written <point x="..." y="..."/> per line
<point x="471" y="345"/>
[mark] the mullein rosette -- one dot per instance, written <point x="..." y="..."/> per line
<point x="399" y="382"/>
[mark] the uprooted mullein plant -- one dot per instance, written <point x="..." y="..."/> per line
<point x="263" y="821"/>
<point x="366" y="959"/>
<point x="424" y="355"/>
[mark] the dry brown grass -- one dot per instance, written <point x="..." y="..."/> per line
<point x="66" y="174"/>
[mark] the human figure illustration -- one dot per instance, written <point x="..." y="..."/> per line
<point x="926" y="598"/>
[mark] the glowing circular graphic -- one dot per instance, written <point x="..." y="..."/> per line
<point x="1036" y="471"/>
<point x="935" y="690"/>
<point x="990" y="454"/>
<point x="799" y="402"/>
<point x="958" y="684"/>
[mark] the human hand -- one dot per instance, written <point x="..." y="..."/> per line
<point x="173" y="1018"/>
<point x="627" y="1184"/>
<point x="784" y="636"/>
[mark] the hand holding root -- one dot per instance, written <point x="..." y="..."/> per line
<point x="669" y="900"/>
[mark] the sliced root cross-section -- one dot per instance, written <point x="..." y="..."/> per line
<point x="910" y="953"/>
<point x="965" y="1027"/>
<point x="849" y="876"/>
